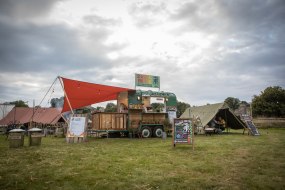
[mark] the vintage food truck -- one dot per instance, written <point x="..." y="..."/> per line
<point x="145" y="113"/>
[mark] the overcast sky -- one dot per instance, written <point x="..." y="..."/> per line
<point x="204" y="51"/>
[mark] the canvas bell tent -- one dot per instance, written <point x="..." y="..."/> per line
<point x="211" y="111"/>
<point x="23" y="115"/>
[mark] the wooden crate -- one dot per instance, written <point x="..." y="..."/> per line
<point x="134" y="116"/>
<point x="109" y="121"/>
<point x="148" y="117"/>
<point x="154" y="118"/>
<point x="159" y="116"/>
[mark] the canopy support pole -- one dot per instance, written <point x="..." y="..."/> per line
<point x="65" y="94"/>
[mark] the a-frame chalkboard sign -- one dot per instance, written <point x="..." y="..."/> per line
<point x="183" y="132"/>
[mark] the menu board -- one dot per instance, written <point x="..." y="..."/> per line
<point x="77" y="126"/>
<point x="183" y="132"/>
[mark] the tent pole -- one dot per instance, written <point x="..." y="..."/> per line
<point x="64" y="118"/>
<point x="65" y="94"/>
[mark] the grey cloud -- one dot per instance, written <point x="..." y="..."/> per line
<point x="232" y="16"/>
<point x="100" y="29"/>
<point x="32" y="48"/>
<point x="198" y="16"/>
<point x="50" y="50"/>
<point x="253" y="14"/>
<point x="6" y="93"/>
<point x="98" y="21"/>
<point x="253" y="28"/>
<point x="25" y="8"/>
<point x="145" y="14"/>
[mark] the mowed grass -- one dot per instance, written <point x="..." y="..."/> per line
<point x="228" y="161"/>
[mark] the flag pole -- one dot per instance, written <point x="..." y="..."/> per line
<point x="65" y="94"/>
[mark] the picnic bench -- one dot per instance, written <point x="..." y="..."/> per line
<point x="209" y="131"/>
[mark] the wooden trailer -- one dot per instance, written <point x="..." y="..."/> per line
<point x="135" y="114"/>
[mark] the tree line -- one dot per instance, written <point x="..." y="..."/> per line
<point x="269" y="103"/>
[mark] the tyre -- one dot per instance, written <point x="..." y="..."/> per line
<point x="146" y="132"/>
<point x="158" y="132"/>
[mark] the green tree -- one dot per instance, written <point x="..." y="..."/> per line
<point x="19" y="103"/>
<point x="245" y="103"/>
<point x="57" y="102"/>
<point x="233" y="103"/>
<point x="99" y="108"/>
<point x="270" y="103"/>
<point x="85" y="110"/>
<point x="181" y="107"/>
<point x="111" y="107"/>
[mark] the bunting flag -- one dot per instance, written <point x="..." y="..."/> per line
<point x="82" y="94"/>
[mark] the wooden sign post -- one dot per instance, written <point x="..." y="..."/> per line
<point x="183" y="132"/>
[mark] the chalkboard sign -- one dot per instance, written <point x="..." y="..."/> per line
<point x="183" y="132"/>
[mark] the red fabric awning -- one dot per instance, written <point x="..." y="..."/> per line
<point x="82" y="94"/>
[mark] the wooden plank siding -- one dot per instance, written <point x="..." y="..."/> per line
<point x="109" y="121"/>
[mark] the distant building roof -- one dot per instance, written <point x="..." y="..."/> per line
<point x="22" y="115"/>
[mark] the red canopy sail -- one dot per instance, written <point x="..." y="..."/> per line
<point x="82" y="94"/>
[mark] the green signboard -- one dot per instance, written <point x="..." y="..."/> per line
<point x="147" y="81"/>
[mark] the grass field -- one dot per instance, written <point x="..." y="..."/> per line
<point x="228" y="161"/>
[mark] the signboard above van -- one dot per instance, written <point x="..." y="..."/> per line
<point x="147" y="81"/>
<point x="158" y="100"/>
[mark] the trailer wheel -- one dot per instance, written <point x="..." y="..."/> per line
<point x="146" y="132"/>
<point x="158" y="132"/>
